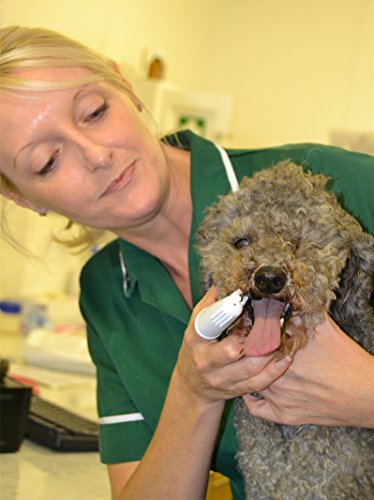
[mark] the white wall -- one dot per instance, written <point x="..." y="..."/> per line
<point x="296" y="69"/>
<point x="128" y="30"/>
<point x="50" y="270"/>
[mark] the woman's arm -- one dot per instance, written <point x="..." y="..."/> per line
<point x="330" y="382"/>
<point x="177" y="462"/>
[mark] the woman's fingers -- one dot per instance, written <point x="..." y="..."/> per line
<point x="213" y="353"/>
<point x="255" y="374"/>
<point x="223" y="366"/>
<point x="317" y="389"/>
<point x="218" y="369"/>
<point x="208" y="299"/>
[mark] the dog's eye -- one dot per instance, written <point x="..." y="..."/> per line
<point x="297" y="244"/>
<point x="242" y="243"/>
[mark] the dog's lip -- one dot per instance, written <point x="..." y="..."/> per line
<point x="285" y="316"/>
<point x="287" y="309"/>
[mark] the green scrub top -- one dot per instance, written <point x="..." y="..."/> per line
<point x="134" y="339"/>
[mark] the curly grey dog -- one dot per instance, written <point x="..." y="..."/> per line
<point x="285" y="241"/>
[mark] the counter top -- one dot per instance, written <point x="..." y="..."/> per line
<point x="35" y="472"/>
<point x="38" y="473"/>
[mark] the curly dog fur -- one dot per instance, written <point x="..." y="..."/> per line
<point x="285" y="241"/>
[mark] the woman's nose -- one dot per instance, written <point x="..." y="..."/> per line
<point x="99" y="156"/>
<point x="96" y="155"/>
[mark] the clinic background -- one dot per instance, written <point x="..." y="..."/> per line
<point x="296" y="70"/>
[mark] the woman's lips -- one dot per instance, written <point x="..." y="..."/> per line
<point x="121" y="181"/>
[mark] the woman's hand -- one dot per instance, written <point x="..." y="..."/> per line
<point x="330" y="382"/>
<point x="216" y="370"/>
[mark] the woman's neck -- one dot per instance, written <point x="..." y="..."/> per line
<point x="167" y="236"/>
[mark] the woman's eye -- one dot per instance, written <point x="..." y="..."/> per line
<point x="98" y="113"/>
<point x="242" y="243"/>
<point x="50" y="165"/>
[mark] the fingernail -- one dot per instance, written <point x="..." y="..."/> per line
<point x="283" y="362"/>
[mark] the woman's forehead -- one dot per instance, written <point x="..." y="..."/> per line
<point x="18" y="105"/>
<point x="22" y="111"/>
<point x="53" y="74"/>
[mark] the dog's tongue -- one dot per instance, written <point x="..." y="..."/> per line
<point x="264" y="337"/>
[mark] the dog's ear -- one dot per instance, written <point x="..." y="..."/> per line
<point x="356" y="281"/>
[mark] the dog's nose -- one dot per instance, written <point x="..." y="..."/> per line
<point x="269" y="279"/>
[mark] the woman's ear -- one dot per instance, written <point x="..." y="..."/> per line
<point x="23" y="202"/>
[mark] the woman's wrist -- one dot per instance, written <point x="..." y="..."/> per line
<point x="200" y="398"/>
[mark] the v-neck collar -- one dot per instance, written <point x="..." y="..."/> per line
<point x="208" y="179"/>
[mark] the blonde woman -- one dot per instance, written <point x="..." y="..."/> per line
<point x="74" y="141"/>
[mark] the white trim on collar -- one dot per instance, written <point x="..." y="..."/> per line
<point x="234" y="184"/>
<point x="233" y="181"/>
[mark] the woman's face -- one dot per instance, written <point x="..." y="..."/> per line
<point x="83" y="152"/>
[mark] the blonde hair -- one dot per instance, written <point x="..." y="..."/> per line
<point x="23" y="47"/>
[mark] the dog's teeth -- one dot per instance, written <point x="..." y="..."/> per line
<point x="281" y="322"/>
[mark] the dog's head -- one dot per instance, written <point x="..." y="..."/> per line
<point x="284" y="240"/>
